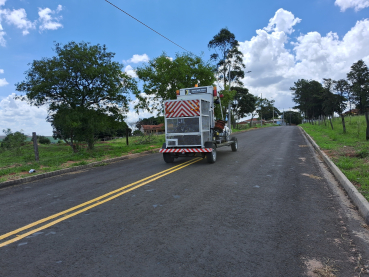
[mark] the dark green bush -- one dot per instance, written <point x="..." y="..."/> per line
<point x="43" y="140"/>
<point x="13" y="140"/>
<point x="137" y="133"/>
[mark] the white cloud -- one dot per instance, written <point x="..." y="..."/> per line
<point x="130" y="71"/>
<point x="2" y="34"/>
<point x="138" y="59"/>
<point x="3" y="82"/>
<point x="49" y="22"/>
<point x="283" y="21"/>
<point x="17" y="115"/>
<point x="275" y="68"/>
<point x="132" y="116"/>
<point x="19" y="19"/>
<point x="356" y="4"/>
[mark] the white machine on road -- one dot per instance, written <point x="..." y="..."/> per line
<point x="191" y="128"/>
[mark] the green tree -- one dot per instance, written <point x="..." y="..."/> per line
<point x="80" y="83"/>
<point x="229" y="59"/>
<point x="13" y="141"/>
<point x="244" y="102"/>
<point x="308" y="97"/>
<point x="258" y="105"/>
<point x="162" y="76"/>
<point x="266" y="109"/>
<point x="359" y="80"/>
<point x="330" y="103"/>
<point x="116" y="129"/>
<point x="221" y="109"/>
<point x="71" y="125"/>
<point x="342" y="88"/>
<point x="292" y="117"/>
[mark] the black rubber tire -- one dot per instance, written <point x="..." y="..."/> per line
<point x="234" y="146"/>
<point x="168" y="158"/>
<point x="211" y="156"/>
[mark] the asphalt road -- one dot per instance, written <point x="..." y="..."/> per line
<point x="269" y="209"/>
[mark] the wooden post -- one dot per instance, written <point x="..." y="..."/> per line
<point x="35" y="146"/>
<point x="127" y="133"/>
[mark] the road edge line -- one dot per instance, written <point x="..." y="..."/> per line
<point x="72" y="169"/>
<point x="359" y="200"/>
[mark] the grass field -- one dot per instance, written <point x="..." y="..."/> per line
<point x="16" y="164"/>
<point x="350" y="151"/>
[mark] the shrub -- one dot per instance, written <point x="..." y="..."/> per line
<point x="43" y="140"/>
<point x="13" y="140"/>
<point x="137" y="133"/>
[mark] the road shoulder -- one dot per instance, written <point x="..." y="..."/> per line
<point x="356" y="197"/>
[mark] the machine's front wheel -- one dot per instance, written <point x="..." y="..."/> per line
<point x="234" y="145"/>
<point x="211" y="156"/>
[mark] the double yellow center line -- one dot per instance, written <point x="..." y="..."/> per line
<point x="46" y="222"/>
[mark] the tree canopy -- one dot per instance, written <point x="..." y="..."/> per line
<point x="307" y="94"/>
<point x="80" y="84"/>
<point x="266" y="109"/>
<point x="228" y="58"/>
<point x="292" y="117"/>
<point x="162" y="76"/>
<point x="244" y="102"/>
<point x="359" y="81"/>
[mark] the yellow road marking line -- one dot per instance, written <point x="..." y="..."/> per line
<point x="164" y="173"/>
<point x="85" y="203"/>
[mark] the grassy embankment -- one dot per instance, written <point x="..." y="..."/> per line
<point x="15" y="164"/>
<point x="350" y="151"/>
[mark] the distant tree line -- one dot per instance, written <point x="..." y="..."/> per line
<point x="316" y="100"/>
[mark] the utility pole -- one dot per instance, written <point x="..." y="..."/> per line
<point x="261" y="106"/>
<point x="229" y="104"/>
<point x="290" y="116"/>
<point x="273" y="114"/>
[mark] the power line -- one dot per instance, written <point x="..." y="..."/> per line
<point x="149" y="27"/>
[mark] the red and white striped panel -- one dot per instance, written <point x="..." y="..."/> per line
<point x="186" y="150"/>
<point x="182" y="108"/>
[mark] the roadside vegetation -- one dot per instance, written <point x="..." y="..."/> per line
<point x="349" y="151"/>
<point x="15" y="163"/>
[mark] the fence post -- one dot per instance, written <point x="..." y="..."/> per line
<point x="35" y="146"/>
<point x="127" y="133"/>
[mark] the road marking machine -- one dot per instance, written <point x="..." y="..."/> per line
<point x="190" y="126"/>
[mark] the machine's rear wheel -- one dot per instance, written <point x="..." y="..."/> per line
<point x="211" y="156"/>
<point x="168" y="158"/>
<point x="234" y="145"/>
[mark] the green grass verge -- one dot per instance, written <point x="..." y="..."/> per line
<point x="349" y="151"/>
<point x="16" y="164"/>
